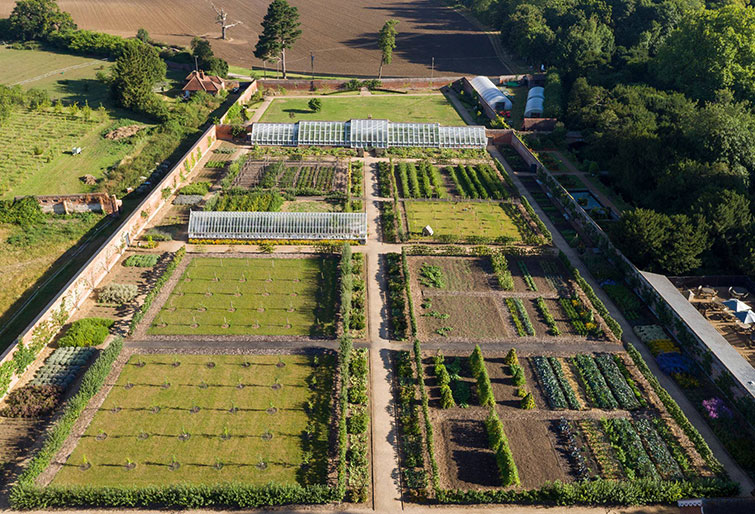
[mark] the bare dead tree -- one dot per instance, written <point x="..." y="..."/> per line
<point x="222" y="20"/>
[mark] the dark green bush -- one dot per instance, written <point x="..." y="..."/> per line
<point x="87" y="332"/>
<point x="446" y="397"/>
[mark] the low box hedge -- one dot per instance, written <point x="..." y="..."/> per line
<point x="87" y="332"/>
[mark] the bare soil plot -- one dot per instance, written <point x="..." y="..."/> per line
<point x="534" y="447"/>
<point x="341" y="34"/>
<point x="461" y="274"/>
<point x="504" y="390"/>
<point x="469" y="318"/>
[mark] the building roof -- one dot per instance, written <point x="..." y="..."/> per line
<point x="490" y="94"/>
<point x="716" y="343"/>
<point x="197" y="80"/>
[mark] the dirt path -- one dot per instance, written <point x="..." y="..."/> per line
<point x="386" y="492"/>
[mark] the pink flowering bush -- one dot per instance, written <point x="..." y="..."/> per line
<point x="715" y="408"/>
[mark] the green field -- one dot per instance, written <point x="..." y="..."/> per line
<point x="461" y="220"/>
<point x="37" y="151"/>
<point x="65" y="76"/>
<point x="37" y="143"/>
<point x="231" y="296"/>
<point x="400" y="108"/>
<point x="222" y="446"/>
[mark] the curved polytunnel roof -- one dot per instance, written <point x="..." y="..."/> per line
<point x="536" y="92"/>
<point x="534" y="107"/>
<point x="490" y="94"/>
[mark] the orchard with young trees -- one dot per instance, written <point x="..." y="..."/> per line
<point x="663" y="91"/>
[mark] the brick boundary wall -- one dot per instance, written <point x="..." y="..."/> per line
<point x="81" y="285"/>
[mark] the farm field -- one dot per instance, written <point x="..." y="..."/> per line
<point x="265" y="296"/>
<point x="425" y="180"/>
<point x="567" y="418"/>
<point x="208" y="419"/>
<point x="463" y="220"/>
<point x="403" y="108"/>
<point x="342" y="35"/>
<point x="307" y="177"/>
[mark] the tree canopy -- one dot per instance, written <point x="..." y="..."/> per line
<point x="134" y="76"/>
<point x="280" y="30"/>
<point x="710" y="50"/>
<point x="206" y="60"/>
<point x="387" y="43"/>
<point x="36" y="19"/>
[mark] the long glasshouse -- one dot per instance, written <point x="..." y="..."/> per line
<point x="367" y="134"/>
<point x="351" y="226"/>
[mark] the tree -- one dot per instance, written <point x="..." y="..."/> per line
<point x="280" y="30"/>
<point x="641" y="234"/>
<point x="206" y="60"/>
<point x="315" y="105"/>
<point x="35" y="19"/>
<point x="134" y="75"/>
<point x="387" y="44"/>
<point x="142" y="35"/>
<point x="710" y="50"/>
<point x="222" y="20"/>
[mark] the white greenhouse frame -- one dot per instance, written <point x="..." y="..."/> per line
<point x="278" y="225"/>
<point x="368" y="134"/>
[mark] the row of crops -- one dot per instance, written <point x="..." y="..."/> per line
<point x="480" y="181"/>
<point x="305" y="179"/>
<point x="420" y="180"/>
<point x="623" y="448"/>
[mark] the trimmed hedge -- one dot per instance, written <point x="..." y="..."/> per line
<point x="159" y="283"/>
<point x="484" y="387"/>
<point x="597" y="492"/>
<point x="499" y="443"/>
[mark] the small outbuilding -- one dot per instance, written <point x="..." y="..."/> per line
<point x="427" y="231"/>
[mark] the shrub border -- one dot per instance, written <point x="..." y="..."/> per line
<point x="159" y="283"/>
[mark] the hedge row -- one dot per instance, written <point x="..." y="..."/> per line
<point x="499" y="443"/>
<point x="484" y="387"/>
<point x="344" y="365"/>
<point x="159" y="283"/>
<point x="405" y="269"/>
<point x="597" y="492"/>
<point x="396" y="295"/>
<point x="347" y="286"/>
<point x="613" y="325"/>
<point x="676" y="412"/>
<point x="430" y="440"/>
<point x="412" y="442"/>
<point x="357" y="426"/>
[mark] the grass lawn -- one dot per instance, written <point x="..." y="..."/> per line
<point x="400" y="108"/>
<point x="231" y="296"/>
<point x="222" y="446"/>
<point x="460" y="219"/>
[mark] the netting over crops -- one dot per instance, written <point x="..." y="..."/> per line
<point x="367" y="133"/>
<point x="277" y="225"/>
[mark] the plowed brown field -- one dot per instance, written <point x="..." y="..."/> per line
<point x="340" y="33"/>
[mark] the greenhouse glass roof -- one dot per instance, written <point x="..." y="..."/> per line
<point x="278" y="134"/>
<point x="277" y="225"/>
<point x="333" y="133"/>
<point x="368" y="133"/>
